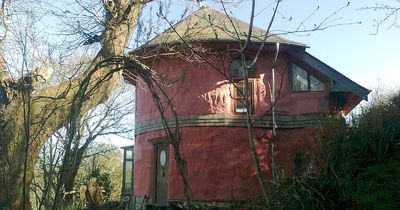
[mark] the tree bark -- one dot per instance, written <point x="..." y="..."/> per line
<point x="50" y="107"/>
<point x="69" y="170"/>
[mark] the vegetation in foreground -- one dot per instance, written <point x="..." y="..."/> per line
<point x="360" y="164"/>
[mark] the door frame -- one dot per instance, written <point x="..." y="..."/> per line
<point x="163" y="141"/>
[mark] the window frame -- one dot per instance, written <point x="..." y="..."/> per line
<point x="236" y="95"/>
<point x="309" y="75"/>
<point x="124" y="168"/>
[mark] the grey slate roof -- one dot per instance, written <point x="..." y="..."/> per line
<point x="210" y="25"/>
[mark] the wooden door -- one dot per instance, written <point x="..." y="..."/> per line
<point x="161" y="174"/>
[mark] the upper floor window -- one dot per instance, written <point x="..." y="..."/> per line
<point x="241" y="96"/>
<point x="302" y="81"/>
<point x="236" y="70"/>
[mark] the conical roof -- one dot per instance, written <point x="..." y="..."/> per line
<point x="210" y="25"/>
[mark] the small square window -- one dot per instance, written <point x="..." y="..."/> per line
<point x="241" y="96"/>
<point x="236" y="70"/>
<point x="129" y="154"/>
<point x="302" y="81"/>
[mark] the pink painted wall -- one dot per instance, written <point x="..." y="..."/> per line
<point x="218" y="161"/>
<point x="207" y="91"/>
<point x="218" y="158"/>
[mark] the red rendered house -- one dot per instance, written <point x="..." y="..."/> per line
<point x="200" y="59"/>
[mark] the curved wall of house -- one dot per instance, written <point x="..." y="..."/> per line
<point x="203" y="90"/>
<point x="218" y="161"/>
<point x="215" y="138"/>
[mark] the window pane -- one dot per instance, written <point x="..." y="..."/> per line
<point x="128" y="176"/>
<point x="316" y="85"/>
<point x="236" y="70"/>
<point x="129" y="154"/>
<point x="299" y="79"/>
<point x="240" y="99"/>
<point x="252" y="70"/>
<point x="240" y="90"/>
<point x="240" y="107"/>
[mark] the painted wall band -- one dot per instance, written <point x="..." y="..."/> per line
<point x="218" y="120"/>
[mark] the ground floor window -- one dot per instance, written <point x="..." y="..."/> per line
<point x="127" y="176"/>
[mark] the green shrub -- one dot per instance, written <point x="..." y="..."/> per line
<point x="361" y="164"/>
<point x="378" y="187"/>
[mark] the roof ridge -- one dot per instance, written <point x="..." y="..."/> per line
<point x="212" y="25"/>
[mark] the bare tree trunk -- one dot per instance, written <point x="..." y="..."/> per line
<point x="253" y="150"/>
<point x="69" y="170"/>
<point x="50" y="106"/>
<point x="67" y="178"/>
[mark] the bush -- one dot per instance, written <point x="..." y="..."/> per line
<point x="361" y="164"/>
<point x="378" y="187"/>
